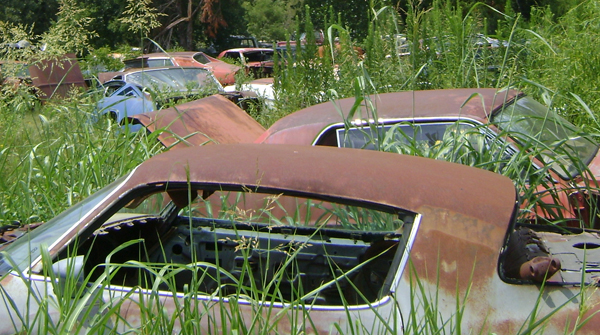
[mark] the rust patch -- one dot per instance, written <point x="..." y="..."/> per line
<point x="56" y="77"/>
<point x="210" y="120"/>
<point x="458" y="246"/>
<point x="454" y="260"/>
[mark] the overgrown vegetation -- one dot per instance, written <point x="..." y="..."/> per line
<point x="56" y="153"/>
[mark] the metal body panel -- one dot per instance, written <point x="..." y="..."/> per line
<point x="302" y="127"/>
<point x="57" y="77"/>
<point x="464" y="266"/>
<point x="23" y="298"/>
<point x="214" y="119"/>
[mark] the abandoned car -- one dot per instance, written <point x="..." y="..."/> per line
<point x="263" y="87"/>
<point x="507" y="126"/>
<point x="223" y="71"/>
<point x="214" y="119"/>
<point x="257" y="61"/>
<point x="45" y="79"/>
<point x="137" y="91"/>
<point x="300" y="239"/>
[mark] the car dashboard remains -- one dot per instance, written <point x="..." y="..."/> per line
<point x="327" y="259"/>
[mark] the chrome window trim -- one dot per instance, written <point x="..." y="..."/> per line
<point x="382" y="121"/>
<point x="406" y="253"/>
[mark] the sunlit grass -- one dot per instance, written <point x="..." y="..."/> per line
<point x="53" y="155"/>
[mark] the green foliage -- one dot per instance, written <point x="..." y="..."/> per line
<point x="70" y="32"/>
<point x="562" y="60"/>
<point x="55" y="156"/>
<point x="39" y="15"/>
<point x="141" y="17"/>
<point x="270" y="20"/>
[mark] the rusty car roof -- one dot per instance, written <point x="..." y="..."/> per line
<point x="211" y="119"/>
<point x="400" y="181"/>
<point x="55" y="77"/>
<point x="303" y="126"/>
<point x="170" y="54"/>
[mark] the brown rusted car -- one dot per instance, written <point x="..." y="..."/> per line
<point x="507" y="126"/>
<point x="214" y="119"/>
<point x="257" y="61"/>
<point x="46" y="79"/>
<point x="290" y="239"/>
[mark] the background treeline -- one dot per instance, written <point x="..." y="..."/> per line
<point x="194" y="24"/>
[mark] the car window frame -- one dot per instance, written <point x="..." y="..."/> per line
<point x="490" y="134"/>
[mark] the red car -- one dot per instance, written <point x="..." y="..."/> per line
<point x="567" y="188"/>
<point x="258" y="61"/>
<point x="223" y="71"/>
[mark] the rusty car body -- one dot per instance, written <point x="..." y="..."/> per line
<point x="46" y="78"/>
<point x="223" y="71"/>
<point x="55" y="77"/>
<point x="327" y="240"/>
<point x="214" y="119"/>
<point x="509" y="119"/>
<point x="257" y="61"/>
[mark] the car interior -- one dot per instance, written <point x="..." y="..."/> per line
<point x="288" y="248"/>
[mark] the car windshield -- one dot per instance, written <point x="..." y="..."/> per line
<point x="560" y="144"/>
<point x="27" y="249"/>
<point x="175" y="79"/>
<point x="287" y="245"/>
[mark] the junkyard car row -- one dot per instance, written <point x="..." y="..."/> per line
<point x="136" y="91"/>
<point x="326" y="236"/>
<point x="224" y="72"/>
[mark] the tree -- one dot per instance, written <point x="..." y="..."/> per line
<point x="354" y="13"/>
<point x="71" y="31"/>
<point x="271" y="20"/>
<point x="184" y="17"/>
<point x="39" y="15"/>
<point x="140" y="16"/>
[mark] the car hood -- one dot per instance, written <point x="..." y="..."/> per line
<point x="214" y="119"/>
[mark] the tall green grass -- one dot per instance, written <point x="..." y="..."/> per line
<point x="53" y="155"/>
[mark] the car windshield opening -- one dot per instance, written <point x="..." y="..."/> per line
<point x="287" y="247"/>
<point x="381" y="137"/>
<point x="175" y="79"/>
<point x="549" y="136"/>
